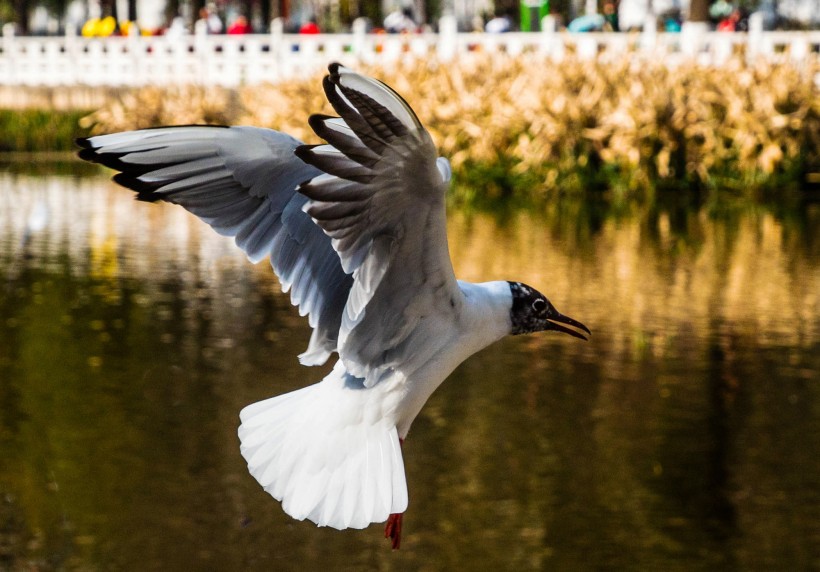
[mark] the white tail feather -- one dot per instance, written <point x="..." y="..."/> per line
<point x="317" y="451"/>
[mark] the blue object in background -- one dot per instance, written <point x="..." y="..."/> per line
<point x="589" y="23"/>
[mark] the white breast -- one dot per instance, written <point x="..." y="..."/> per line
<point x="484" y="319"/>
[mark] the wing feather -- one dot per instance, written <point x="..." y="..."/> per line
<point x="355" y="228"/>
<point x="386" y="219"/>
<point x="344" y="138"/>
<point x="242" y="181"/>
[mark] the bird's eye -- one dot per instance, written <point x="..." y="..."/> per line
<point x="539" y="305"/>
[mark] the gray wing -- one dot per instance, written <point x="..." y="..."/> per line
<point x="241" y="181"/>
<point x="381" y="201"/>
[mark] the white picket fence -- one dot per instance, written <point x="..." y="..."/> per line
<point x="250" y="59"/>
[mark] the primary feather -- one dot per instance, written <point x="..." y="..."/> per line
<point x="241" y="181"/>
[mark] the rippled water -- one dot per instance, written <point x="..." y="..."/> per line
<point x="684" y="436"/>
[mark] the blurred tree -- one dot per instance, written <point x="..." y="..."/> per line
<point x="6" y="11"/>
<point x="699" y="11"/>
<point x="171" y="10"/>
<point x="432" y="9"/>
<point x="371" y="9"/>
<point x="246" y="9"/>
<point x="196" y="6"/>
<point x="21" y="9"/>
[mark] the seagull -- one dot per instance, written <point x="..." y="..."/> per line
<point x="355" y="231"/>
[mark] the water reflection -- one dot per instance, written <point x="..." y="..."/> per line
<point x="685" y="435"/>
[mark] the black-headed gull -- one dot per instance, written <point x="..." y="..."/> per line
<point x="355" y="230"/>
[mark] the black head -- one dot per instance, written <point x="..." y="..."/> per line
<point x="532" y="312"/>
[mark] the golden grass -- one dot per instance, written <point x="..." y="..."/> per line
<point x="529" y="126"/>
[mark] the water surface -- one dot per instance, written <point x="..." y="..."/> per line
<point x="684" y="436"/>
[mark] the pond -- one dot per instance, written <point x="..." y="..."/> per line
<point x="685" y="435"/>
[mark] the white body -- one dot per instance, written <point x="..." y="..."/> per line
<point x="330" y="452"/>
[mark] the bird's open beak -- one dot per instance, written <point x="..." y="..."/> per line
<point x="559" y="322"/>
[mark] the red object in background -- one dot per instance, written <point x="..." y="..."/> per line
<point x="310" y="27"/>
<point x="240" y="26"/>
<point x="726" y="25"/>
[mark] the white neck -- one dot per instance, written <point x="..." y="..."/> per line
<point x="486" y="313"/>
<point x="484" y="319"/>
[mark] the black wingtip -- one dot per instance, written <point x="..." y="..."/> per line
<point x="88" y="154"/>
<point x="145" y="191"/>
<point x="84" y="142"/>
<point x="87" y="150"/>
<point x="304" y="152"/>
<point x="317" y="121"/>
<point x="329" y="86"/>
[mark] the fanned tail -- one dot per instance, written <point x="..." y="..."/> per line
<point x="318" y="451"/>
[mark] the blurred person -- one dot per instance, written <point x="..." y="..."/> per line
<point x="610" y="17"/>
<point x="75" y="15"/>
<point x="499" y="24"/>
<point x="632" y="14"/>
<point x="720" y="10"/>
<point x="477" y="23"/>
<point x="240" y="26"/>
<point x="726" y="25"/>
<point x="38" y="21"/>
<point x="178" y="28"/>
<point x="587" y="23"/>
<point x="100" y="27"/>
<point x="89" y="28"/>
<point x="129" y="28"/>
<point x="768" y="13"/>
<point x="212" y="21"/>
<point x="399" y="21"/>
<point x="311" y="27"/>
<point x="735" y="22"/>
<point x="742" y="24"/>
<point x="671" y="20"/>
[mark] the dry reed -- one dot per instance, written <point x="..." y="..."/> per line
<point x="526" y="126"/>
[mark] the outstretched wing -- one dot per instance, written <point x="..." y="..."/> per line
<point x="241" y="181"/>
<point x="381" y="201"/>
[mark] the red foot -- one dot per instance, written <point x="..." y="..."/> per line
<point x="392" y="529"/>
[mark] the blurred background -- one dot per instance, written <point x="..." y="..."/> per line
<point x="658" y="180"/>
<point x="177" y="17"/>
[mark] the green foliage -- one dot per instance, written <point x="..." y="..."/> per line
<point x="6" y="11"/>
<point x="31" y="130"/>
<point x="587" y="129"/>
